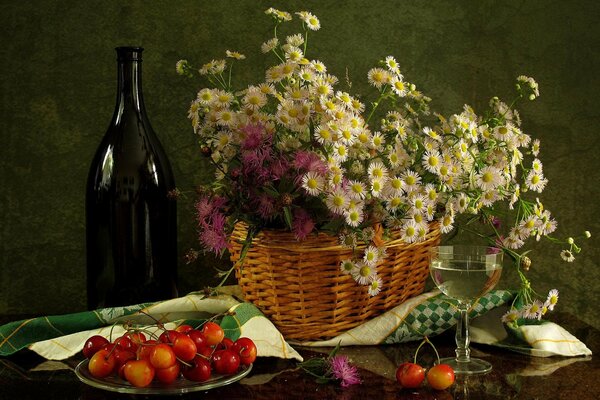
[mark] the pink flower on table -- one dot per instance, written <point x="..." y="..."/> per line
<point x="342" y="370"/>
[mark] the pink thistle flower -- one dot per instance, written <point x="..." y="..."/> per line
<point x="493" y="250"/>
<point x="212" y="235"/>
<point x="342" y="369"/>
<point x="302" y="224"/>
<point x="266" y="206"/>
<point x="254" y="136"/>
<point x="279" y="168"/>
<point x="310" y="162"/>
<point x="204" y="207"/>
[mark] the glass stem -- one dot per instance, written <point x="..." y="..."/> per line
<point x="463" y="354"/>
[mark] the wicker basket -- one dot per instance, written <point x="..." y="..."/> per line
<point x="298" y="285"/>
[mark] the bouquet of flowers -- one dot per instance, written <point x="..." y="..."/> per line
<point x="298" y="151"/>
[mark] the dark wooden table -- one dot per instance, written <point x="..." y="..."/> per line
<point x="515" y="376"/>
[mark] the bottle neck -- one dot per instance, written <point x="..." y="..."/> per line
<point x="129" y="82"/>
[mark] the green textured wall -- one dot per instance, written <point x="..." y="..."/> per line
<point x="58" y="91"/>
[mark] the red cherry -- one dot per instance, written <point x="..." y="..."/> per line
<point x="93" y="344"/>
<point x="410" y="375"/>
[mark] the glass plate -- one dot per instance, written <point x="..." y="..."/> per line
<point x="181" y="385"/>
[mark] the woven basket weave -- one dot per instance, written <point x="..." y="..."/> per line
<point x="298" y="285"/>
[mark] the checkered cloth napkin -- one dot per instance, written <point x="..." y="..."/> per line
<point x="60" y="337"/>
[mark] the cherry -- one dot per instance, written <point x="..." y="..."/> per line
<point x="410" y="375"/>
<point x="184" y="348"/>
<point x="199" y="369"/>
<point x="162" y="356"/>
<point x="139" y="372"/>
<point x="198" y="338"/>
<point x="93" y="344"/>
<point x="185" y="328"/>
<point x="213" y="332"/>
<point x="122" y="356"/>
<point x="168" y="375"/>
<point x="146" y="348"/>
<point x="440" y="377"/>
<point x="246" y="348"/>
<point x="168" y="336"/>
<point x="226" y="362"/>
<point x="102" y="363"/>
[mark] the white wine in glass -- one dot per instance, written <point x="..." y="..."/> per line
<point x="465" y="273"/>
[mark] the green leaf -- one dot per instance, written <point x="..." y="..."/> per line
<point x="287" y="213"/>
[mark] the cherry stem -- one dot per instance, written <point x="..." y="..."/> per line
<point x="183" y="362"/>
<point x="159" y="324"/>
<point x="426" y="340"/>
<point x="434" y="349"/>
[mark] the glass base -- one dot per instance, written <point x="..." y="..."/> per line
<point x="473" y="367"/>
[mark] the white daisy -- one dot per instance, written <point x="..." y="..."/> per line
<point x="371" y="256"/>
<point x="535" y="147"/>
<point x="348" y="267"/>
<point x="354" y="216"/>
<point x="567" y="255"/>
<point x="377" y="170"/>
<point x="295" y="40"/>
<point x="234" y="54"/>
<point x="394" y="202"/>
<point x="340" y="152"/>
<point x="431" y="161"/>
<point x="489" y="178"/>
<point x="312" y="183"/>
<point x="378" y="77"/>
<point x="535" y="181"/>
<point x="377" y="187"/>
<point x="511" y="315"/>
<point x="377" y="141"/>
<point x="533" y="310"/>
<point x="489" y="197"/>
<point x="363" y="273"/>
<point x="446" y="223"/>
<point x="395" y="185"/>
<point x="310" y="20"/>
<point x="337" y="201"/>
<point x="348" y="240"/>
<point x="206" y="97"/>
<point x="225" y="118"/>
<point x="292" y="53"/>
<point x="318" y="66"/>
<point x="357" y="190"/>
<point x="552" y="299"/>
<point x="254" y="99"/>
<point x="461" y="202"/>
<point x="392" y="64"/>
<point x="432" y="134"/>
<point x="411" y="180"/>
<point x="399" y="86"/>
<point x="323" y="134"/>
<point x="375" y="285"/>
<point x="409" y="231"/>
<point x="419" y="203"/>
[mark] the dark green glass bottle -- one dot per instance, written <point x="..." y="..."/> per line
<point x="131" y="220"/>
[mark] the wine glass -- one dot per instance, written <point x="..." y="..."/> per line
<point x="465" y="273"/>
